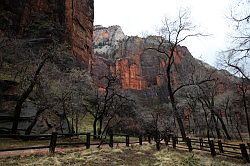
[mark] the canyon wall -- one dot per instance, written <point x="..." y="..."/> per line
<point x="138" y="68"/>
<point x="142" y="71"/>
<point x="79" y="21"/>
<point x="61" y="20"/>
<point x="32" y="25"/>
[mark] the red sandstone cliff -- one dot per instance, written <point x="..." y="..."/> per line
<point x="138" y="69"/>
<point x="79" y="20"/>
<point x="145" y="70"/>
<point x="58" y="19"/>
<point x="27" y="27"/>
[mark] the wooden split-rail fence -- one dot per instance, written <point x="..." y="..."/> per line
<point x="214" y="147"/>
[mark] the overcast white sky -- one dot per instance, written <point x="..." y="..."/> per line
<point x="139" y="16"/>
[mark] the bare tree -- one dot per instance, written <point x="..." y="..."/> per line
<point x="237" y="58"/>
<point x="106" y="103"/>
<point x="154" y="123"/>
<point x="173" y="33"/>
<point x="244" y="88"/>
<point x="192" y="103"/>
<point x="25" y="94"/>
<point x="43" y="102"/>
<point x="207" y="94"/>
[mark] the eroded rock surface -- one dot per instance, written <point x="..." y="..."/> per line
<point x="63" y="20"/>
<point x="137" y="67"/>
<point x="29" y="25"/>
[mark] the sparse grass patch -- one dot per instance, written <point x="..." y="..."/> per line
<point x="15" y="143"/>
<point x="190" y="160"/>
<point x="135" y="155"/>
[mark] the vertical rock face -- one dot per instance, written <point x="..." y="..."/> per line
<point x="137" y="67"/>
<point x="60" y="19"/>
<point x="68" y="22"/>
<point x="32" y="18"/>
<point x="79" y="20"/>
<point x="130" y="74"/>
<point x="107" y="41"/>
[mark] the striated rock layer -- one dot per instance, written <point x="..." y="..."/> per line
<point x="80" y="18"/>
<point x="61" y="19"/>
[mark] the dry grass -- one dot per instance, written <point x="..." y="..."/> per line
<point x="135" y="155"/>
<point x="6" y="143"/>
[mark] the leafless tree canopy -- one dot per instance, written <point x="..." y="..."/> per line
<point x="237" y="57"/>
<point x="172" y="34"/>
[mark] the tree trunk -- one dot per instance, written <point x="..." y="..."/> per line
<point x="222" y="124"/>
<point x="61" y="126"/>
<point x="238" y="131"/>
<point x="107" y="125"/>
<point x="33" y="123"/>
<point x="246" y="110"/>
<point x="173" y="103"/>
<point x="29" y="129"/>
<point x="65" y="117"/>
<point x="208" y="127"/>
<point x="77" y="121"/>
<point x="68" y="123"/>
<point x="216" y="127"/>
<point x="72" y="125"/>
<point x="24" y="96"/>
<point x="158" y="145"/>
<point x="100" y="127"/>
<point x="94" y="127"/>
<point x="226" y="115"/>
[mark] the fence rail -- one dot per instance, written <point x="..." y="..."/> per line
<point x="213" y="147"/>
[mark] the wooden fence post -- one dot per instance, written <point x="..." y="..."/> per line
<point x="88" y="140"/>
<point x="220" y="146"/>
<point x="248" y="147"/>
<point x="127" y="140"/>
<point x="244" y="152"/>
<point x="201" y="143"/>
<point x="111" y="140"/>
<point x="174" y="142"/>
<point x="149" y="139"/>
<point x="52" y="145"/>
<point x="140" y="140"/>
<point x="212" y="149"/>
<point x="189" y="144"/>
<point x="166" y="140"/>
<point x="158" y="146"/>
